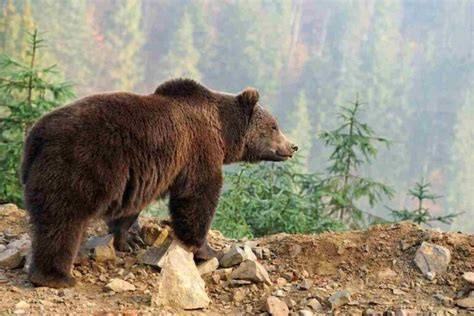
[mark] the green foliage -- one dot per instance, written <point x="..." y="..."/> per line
<point x="421" y="214"/>
<point x="353" y="143"/>
<point x="269" y="198"/>
<point x="27" y="91"/>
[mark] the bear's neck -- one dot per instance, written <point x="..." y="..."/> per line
<point x="233" y="128"/>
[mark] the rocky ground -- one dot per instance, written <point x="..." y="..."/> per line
<point x="398" y="269"/>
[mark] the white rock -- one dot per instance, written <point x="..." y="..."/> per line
<point x="252" y="271"/>
<point x="119" y="285"/>
<point x="180" y="284"/>
<point x="208" y="266"/>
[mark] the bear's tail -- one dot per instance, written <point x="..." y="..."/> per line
<point x="31" y="149"/>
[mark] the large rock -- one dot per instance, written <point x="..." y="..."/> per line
<point x="275" y="306"/>
<point x="432" y="259"/>
<point x="251" y="271"/>
<point x="119" y="285"/>
<point x="180" y="284"/>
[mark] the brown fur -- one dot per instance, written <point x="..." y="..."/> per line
<point x="110" y="155"/>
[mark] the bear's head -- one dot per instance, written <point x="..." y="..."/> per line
<point x="263" y="140"/>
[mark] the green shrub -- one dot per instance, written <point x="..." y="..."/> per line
<point x="269" y="198"/>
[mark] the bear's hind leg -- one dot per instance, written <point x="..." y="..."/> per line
<point x="55" y="245"/>
<point x="126" y="239"/>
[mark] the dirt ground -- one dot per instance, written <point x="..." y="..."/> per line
<point x="376" y="266"/>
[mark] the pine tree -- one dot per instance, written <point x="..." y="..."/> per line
<point x="27" y="91"/>
<point x="11" y="22"/>
<point x="301" y="132"/>
<point x="183" y="58"/>
<point x="27" y="27"/>
<point x="125" y="39"/>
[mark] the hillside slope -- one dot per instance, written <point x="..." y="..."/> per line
<point x="358" y="272"/>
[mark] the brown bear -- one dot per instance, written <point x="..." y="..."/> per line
<point x="109" y="155"/>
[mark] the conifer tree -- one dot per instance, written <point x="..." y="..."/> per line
<point x="11" y="21"/>
<point x="125" y="39"/>
<point x="182" y="58"/>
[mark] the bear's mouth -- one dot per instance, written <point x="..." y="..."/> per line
<point x="283" y="156"/>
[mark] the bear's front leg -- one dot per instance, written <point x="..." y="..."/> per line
<point x="192" y="205"/>
<point x="126" y="233"/>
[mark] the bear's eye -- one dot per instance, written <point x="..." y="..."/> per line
<point x="274" y="128"/>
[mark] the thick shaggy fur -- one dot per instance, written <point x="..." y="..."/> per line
<point x="109" y="155"/>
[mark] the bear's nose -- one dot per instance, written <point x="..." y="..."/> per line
<point x="294" y="147"/>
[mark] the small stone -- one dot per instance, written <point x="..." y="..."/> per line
<point x="22" y="305"/>
<point x="208" y="266"/>
<point x="10" y="259"/>
<point x="102" y="248"/>
<point x="154" y="256"/>
<point x="2" y="247"/>
<point x="23" y="244"/>
<point x="249" y="255"/>
<point x="239" y="295"/>
<point x="467" y="302"/>
<point x="239" y="282"/>
<point x="386" y="273"/>
<point x="468" y="277"/>
<point x="216" y="278"/>
<point x="119" y="286"/>
<point x="398" y="292"/>
<point x="289" y="276"/>
<point x="432" y="258"/>
<point x="315" y="304"/>
<point x="306" y="284"/>
<point x="407" y="312"/>
<point x="232" y="257"/>
<point x="305" y="312"/>
<point x="339" y="299"/>
<point x="251" y="271"/>
<point x="149" y="233"/>
<point x="180" y="284"/>
<point x="276" y="307"/>
<point x="129" y="276"/>
<point x="280" y="293"/>
<point x="281" y="282"/>
<point x="162" y="238"/>
<point x="445" y="300"/>
<point x="258" y="252"/>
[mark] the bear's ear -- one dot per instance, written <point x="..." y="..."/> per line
<point x="248" y="99"/>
